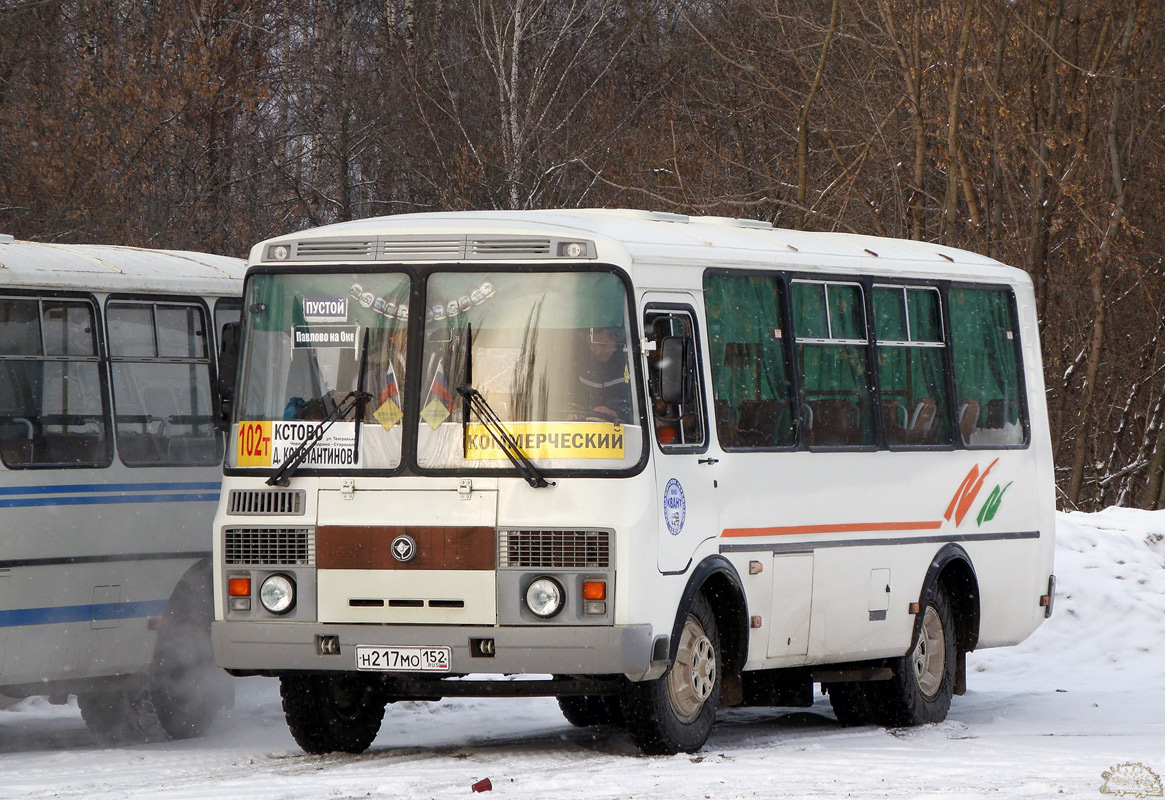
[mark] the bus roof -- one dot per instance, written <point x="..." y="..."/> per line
<point x="111" y="268"/>
<point x="621" y="236"/>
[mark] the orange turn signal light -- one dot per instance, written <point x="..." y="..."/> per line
<point x="594" y="590"/>
<point x="239" y="587"/>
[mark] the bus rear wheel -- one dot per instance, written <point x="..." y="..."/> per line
<point x="923" y="681"/>
<point x="850" y="704"/>
<point x="329" y="713"/>
<point x="675" y="713"/>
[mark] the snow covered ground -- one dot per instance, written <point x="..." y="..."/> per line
<point x="1085" y="694"/>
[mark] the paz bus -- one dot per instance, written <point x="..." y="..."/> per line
<point x="650" y="464"/>
<point x="110" y="465"/>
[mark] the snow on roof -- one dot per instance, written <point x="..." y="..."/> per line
<point x="112" y="268"/>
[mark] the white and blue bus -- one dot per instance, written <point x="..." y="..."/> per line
<point x="110" y="466"/>
<point x="650" y="464"/>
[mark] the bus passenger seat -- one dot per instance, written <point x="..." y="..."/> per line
<point x="894" y="421"/>
<point x="995" y="414"/>
<point x="726" y="422"/>
<point x="836" y="423"/>
<point x="758" y="422"/>
<point x="968" y="418"/>
<point x="921" y="429"/>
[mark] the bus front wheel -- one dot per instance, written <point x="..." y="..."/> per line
<point x="121" y="716"/>
<point x="675" y="712"/>
<point x="329" y="713"/>
<point x="186" y="688"/>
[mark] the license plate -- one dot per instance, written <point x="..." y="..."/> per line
<point x="402" y="659"/>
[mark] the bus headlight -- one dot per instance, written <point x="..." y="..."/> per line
<point x="545" y="597"/>
<point x="277" y="594"/>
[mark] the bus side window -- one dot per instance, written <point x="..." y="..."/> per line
<point x="832" y="347"/>
<point x="911" y="365"/>
<point x="53" y="406"/>
<point x="987" y="367"/>
<point x="160" y="357"/>
<point x="751" y="383"/>
<point x="673" y="377"/>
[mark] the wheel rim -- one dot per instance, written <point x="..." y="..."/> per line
<point x="930" y="654"/>
<point x="693" y="676"/>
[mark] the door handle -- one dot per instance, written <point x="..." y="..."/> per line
<point x="708" y="461"/>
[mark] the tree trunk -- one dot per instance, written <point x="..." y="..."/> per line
<point x="803" y="122"/>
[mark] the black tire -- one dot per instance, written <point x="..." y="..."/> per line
<point x="850" y="704"/>
<point x="675" y="712"/>
<point x="923" y="682"/>
<point x="186" y="687"/>
<point x="329" y="713"/>
<point x="121" y="716"/>
<point x="583" y="711"/>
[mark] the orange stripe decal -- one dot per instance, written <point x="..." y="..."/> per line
<point x="844" y="527"/>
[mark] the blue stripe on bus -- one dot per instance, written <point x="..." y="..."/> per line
<point x="108" y="499"/>
<point x="20" y="617"/>
<point x="79" y="488"/>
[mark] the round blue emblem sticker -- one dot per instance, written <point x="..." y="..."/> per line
<point x="675" y="508"/>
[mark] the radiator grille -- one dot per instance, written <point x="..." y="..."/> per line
<point x="265" y="502"/>
<point x="270" y="546"/>
<point x="549" y="549"/>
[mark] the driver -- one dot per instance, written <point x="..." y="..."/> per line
<point x="605" y="378"/>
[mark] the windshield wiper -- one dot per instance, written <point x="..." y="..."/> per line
<point x="505" y="440"/>
<point x="282" y="476"/>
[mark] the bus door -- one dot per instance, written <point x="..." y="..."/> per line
<point x="685" y="474"/>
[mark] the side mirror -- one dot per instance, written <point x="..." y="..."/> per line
<point x="228" y="368"/>
<point x="674" y="366"/>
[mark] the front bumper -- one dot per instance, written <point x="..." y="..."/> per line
<point x="270" y="648"/>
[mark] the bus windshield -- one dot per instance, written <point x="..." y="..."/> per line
<point x="549" y="353"/>
<point x="312" y="340"/>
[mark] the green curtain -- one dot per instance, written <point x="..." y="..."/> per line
<point x="986" y="362"/>
<point x="750" y="371"/>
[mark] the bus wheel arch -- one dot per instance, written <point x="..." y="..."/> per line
<point x="951" y="569"/>
<point x="719" y="582"/>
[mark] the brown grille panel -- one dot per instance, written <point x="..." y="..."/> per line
<point x="549" y="549"/>
<point x="269" y="546"/>
<point x="369" y="547"/>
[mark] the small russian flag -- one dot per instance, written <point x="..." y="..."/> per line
<point x="438" y="403"/>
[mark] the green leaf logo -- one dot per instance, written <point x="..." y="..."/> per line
<point x="987" y="512"/>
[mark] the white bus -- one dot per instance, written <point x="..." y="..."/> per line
<point x="110" y="466"/>
<point x="650" y="464"/>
